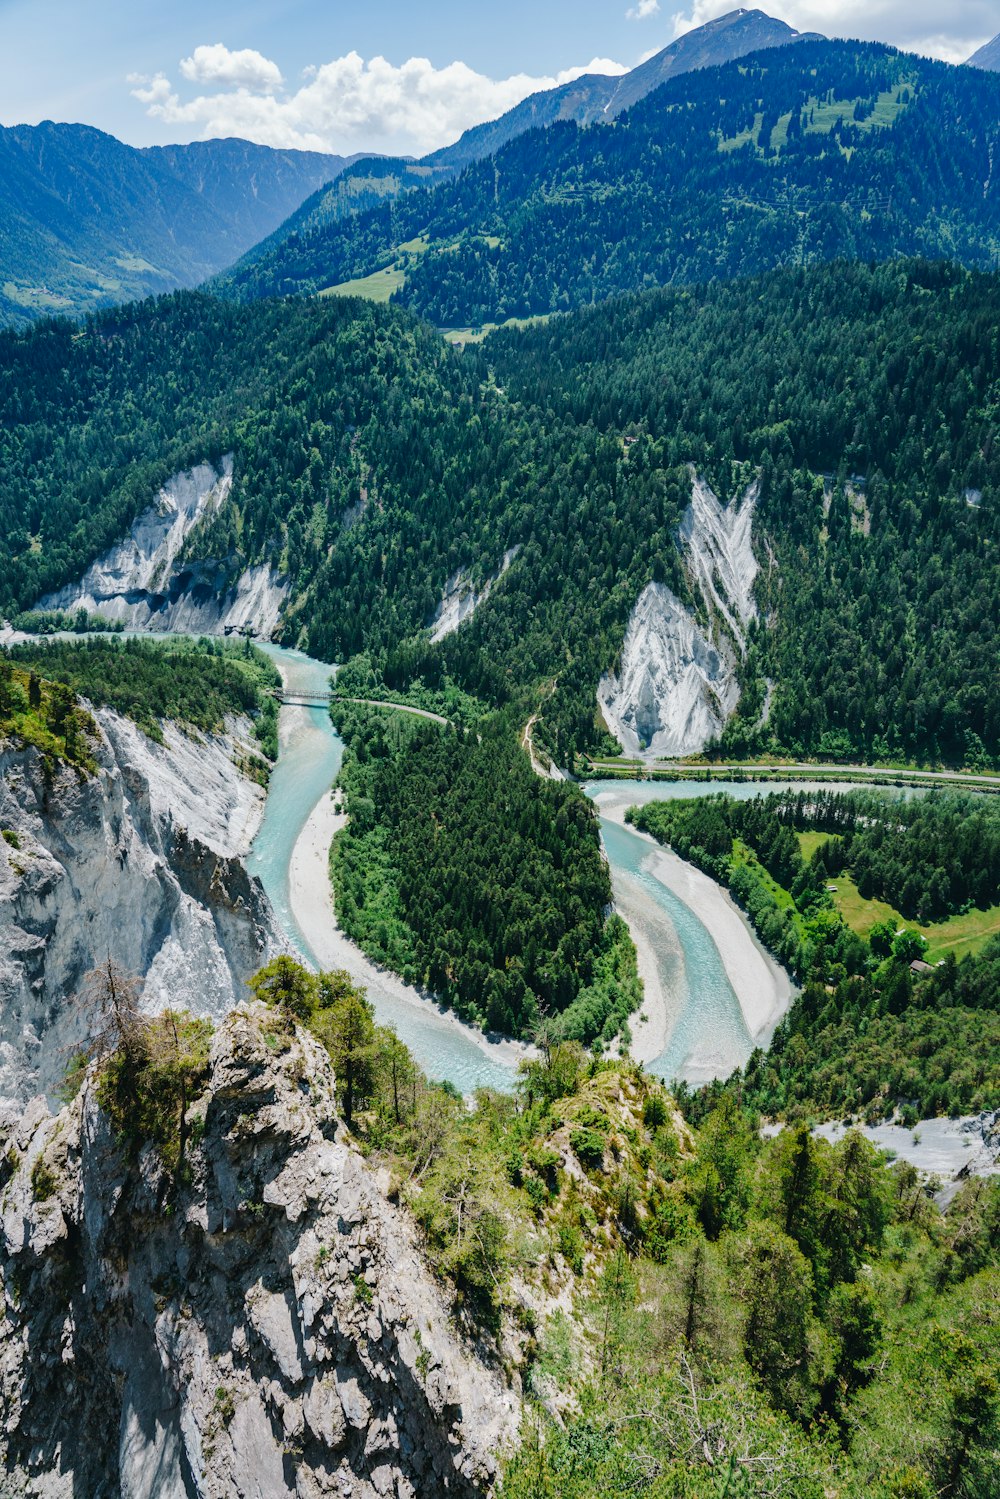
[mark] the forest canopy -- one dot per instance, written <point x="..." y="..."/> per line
<point x="467" y="872"/>
<point x="373" y="463"/>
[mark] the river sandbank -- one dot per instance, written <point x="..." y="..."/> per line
<point x="762" y="987"/>
<point x="652" y="1022"/>
<point x="311" y="898"/>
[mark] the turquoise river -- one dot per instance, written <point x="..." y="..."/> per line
<point x="705" y="1019"/>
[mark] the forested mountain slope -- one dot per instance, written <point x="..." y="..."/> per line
<point x="600" y="98"/>
<point x="369" y="182"/>
<point x="793" y="155"/>
<point x="88" y="221"/>
<point x="371" y="462"/>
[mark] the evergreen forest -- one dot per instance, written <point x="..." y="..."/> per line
<point x="821" y="151"/>
<point x="372" y="462"/>
<point x="875" y="1028"/>
<point x="469" y="874"/>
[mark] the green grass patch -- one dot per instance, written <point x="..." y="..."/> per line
<point x="378" y="287"/>
<point x="820" y="117"/>
<point x="963" y="934"/>
<point x="809" y="842"/>
<point x="744" y="137"/>
<point x="36" y="298"/>
<point x="463" y="336"/>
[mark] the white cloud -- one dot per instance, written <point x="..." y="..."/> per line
<point x="644" y="11"/>
<point x="246" y="69"/>
<point x="914" y="25"/>
<point x="348" y="104"/>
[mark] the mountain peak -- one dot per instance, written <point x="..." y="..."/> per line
<point x="597" y="97"/>
<point x="987" y="57"/>
<point x="723" y="40"/>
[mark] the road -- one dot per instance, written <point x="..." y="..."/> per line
<point x="952" y="776"/>
<point x="374" y="702"/>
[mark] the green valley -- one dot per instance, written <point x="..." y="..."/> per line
<point x="431" y="1065"/>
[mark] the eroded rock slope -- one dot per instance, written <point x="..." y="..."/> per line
<point x="141" y="863"/>
<point x="144" y="582"/>
<point x="461" y="598"/>
<point x="275" y="1334"/>
<point x="676" y="683"/>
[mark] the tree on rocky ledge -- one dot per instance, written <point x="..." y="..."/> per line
<point x="110" y="1000"/>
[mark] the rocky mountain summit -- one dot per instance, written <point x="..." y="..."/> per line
<point x="261" y="1324"/>
<point x="988" y="56"/>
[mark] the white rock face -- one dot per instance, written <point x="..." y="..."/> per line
<point x="718" y="549"/>
<point x="675" y="690"/>
<point x="165" y="1355"/>
<point x="143" y="583"/>
<point x="460" y="600"/>
<point x="676" y="683"/>
<point x="140" y="862"/>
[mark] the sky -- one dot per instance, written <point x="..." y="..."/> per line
<point x="388" y="75"/>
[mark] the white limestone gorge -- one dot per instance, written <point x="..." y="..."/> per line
<point x="144" y="583"/>
<point x="676" y="682"/>
<point x="276" y="1335"/>
<point x="141" y="862"/>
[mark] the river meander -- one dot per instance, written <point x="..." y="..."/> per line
<point x="707" y="1034"/>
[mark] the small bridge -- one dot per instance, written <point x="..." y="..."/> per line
<point x="304" y="699"/>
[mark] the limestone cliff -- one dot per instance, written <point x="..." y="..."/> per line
<point x="676" y="683"/>
<point x="145" y="583"/>
<point x="461" y="598"/>
<point x="140" y="862"/>
<point x="275" y="1334"/>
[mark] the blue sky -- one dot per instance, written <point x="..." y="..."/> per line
<point x="305" y="72"/>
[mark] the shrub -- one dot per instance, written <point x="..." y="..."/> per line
<point x="43" y="1180"/>
<point x="588" y="1146"/>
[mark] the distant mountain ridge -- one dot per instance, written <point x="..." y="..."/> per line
<point x="595" y="98"/>
<point x="592" y="98"/>
<point x="987" y="57"/>
<point x="86" y="220"/>
<point x="820" y="151"/>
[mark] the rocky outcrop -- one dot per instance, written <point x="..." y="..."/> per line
<point x="144" y="583"/>
<point x="676" y="683"/>
<point x="461" y="599"/>
<point x="276" y="1335"/>
<point x="674" y="689"/>
<point x="717" y="542"/>
<point x="140" y="862"/>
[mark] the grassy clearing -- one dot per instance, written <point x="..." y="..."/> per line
<point x="37" y="298"/>
<point x="463" y="336"/>
<point x="378" y="287"/>
<point x="821" y="117"/>
<point x="826" y="115"/>
<point x="810" y="842"/>
<point x="959" y="934"/>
